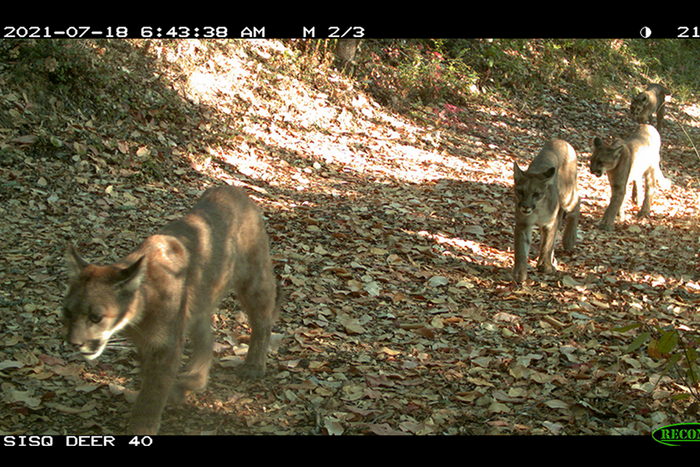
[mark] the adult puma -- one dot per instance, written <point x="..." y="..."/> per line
<point x="544" y="195"/>
<point x="634" y="158"/>
<point x="650" y="101"/>
<point x="170" y="284"/>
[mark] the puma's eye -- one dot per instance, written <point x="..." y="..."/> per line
<point x="94" y="318"/>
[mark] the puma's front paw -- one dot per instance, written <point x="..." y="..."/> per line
<point x="644" y="212"/>
<point x="143" y="428"/>
<point x="250" y="371"/>
<point x="606" y="225"/>
<point x="178" y="394"/>
<point x="519" y="274"/>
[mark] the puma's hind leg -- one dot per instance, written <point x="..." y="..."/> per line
<point x="260" y="301"/>
<point x="571" y="227"/>
<point x="649" y="188"/>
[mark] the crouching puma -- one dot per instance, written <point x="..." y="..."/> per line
<point x="170" y="284"/>
<point x="544" y="195"/>
<point x="628" y="160"/>
<point x="650" y="101"/>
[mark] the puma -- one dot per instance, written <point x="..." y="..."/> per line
<point x="651" y="101"/>
<point x="545" y="194"/>
<point x="634" y="158"/>
<point x="169" y="285"/>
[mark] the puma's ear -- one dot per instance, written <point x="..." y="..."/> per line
<point x="617" y="146"/>
<point x="597" y="142"/>
<point x="74" y="263"/>
<point x="517" y="171"/>
<point x="129" y="279"/>
<point x="548" y="174"/>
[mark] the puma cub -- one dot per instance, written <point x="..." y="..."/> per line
<point x="544" y="195"/>
<point x="169" y="285"/>
<point x="634" y="158"/>
<point x="648" y="102"/>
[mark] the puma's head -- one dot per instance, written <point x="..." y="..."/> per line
<point x="531" y="188"/>
<point x="99" y="302"/>
<point x="642" y="107"/>
<point x="605" y="156"/>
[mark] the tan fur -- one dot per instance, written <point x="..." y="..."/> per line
<point x="544" y="195"/>
<point x="170" y="284"/>
<point x="649" y="102"/>
<point x="631" y="160"/>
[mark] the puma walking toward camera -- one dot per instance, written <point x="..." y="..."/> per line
<point x="171" y="284"/>
<point x="649" y="102"/>
<point x="545" y="194"/>
<point x="634" y="158"/>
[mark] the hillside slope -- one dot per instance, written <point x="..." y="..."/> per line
<point x="393" y="241"/>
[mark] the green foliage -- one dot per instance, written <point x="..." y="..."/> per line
<point x="669" y="344"/>
<point x="406" y="72"/>
<point x="676" y="62"/>
<point x="451" y="71"/>
<point x="64" y="64"/>
<point x="431" y="76"/>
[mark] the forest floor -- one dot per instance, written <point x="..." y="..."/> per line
<point x="392" y="238"/>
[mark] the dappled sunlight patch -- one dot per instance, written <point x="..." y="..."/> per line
<point x="693" y="110"/>
<point x="477" y="252"/>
